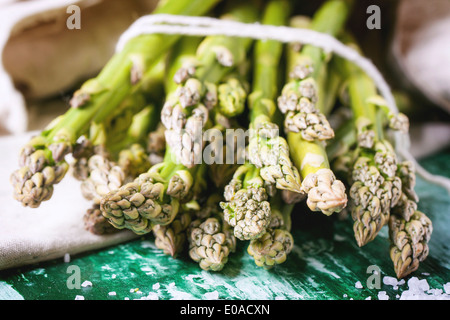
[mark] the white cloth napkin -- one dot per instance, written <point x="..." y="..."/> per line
<point x="30" y="235"/>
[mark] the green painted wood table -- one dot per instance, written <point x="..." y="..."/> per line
<point x="326" y="264"/>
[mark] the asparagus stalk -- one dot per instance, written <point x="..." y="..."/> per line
<point x="267" y="149"/>
<point x="303" y="100"/>
<point x="246" y="206"/>
<point x="211" y="239"/>
<point x="42" y="158"/>
<point x="206" y="88"/>
<point x="409" y="242"/>
<point x="409" y="229"/>
<point x="375" y="186"/>
<point x="273" y="247"/>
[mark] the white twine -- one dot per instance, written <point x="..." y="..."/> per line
<point x="207" y="26"/>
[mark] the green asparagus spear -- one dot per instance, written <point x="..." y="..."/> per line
<point x="409" y="242"/>
<point x="207" y="87"/>
<point x="276" y="243"/>
<point x="246" y="206"/>
<point x="409" y="229"/>
<point x="375" y="186"/>
<point x="303" y="100"/>
<point x="211" y="239"/>
<point x="267" y="149"/>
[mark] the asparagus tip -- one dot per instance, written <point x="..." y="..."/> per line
<point x="325" y="192"/>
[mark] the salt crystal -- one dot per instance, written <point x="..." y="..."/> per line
<point x="417" y="289"/>
<point x="382" y="295"/>
<point x="358" y="285"/>
<point x="212" y="295"/>
<point x="369" y="298"/>
<point x="447" y="288"/>
<point x="152" y="296"/>
<point x="435" y="292"/>
<point x="418" y="286"/>
<point x="390" y="281"/>
<point x="78" y="297"/>
<point x="113" y="276"/>
<point x="67" y="258"/>
<point x="112" y="293"/>
<point x="86" y="284"/>
<point x="156" y="286"/>
<point x="345" y="295"/>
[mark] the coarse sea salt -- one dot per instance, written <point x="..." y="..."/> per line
<point x="86" y="284"/>
<point x="212" y="295"/>
<point x="435" y="292"/>
<point x="78" y="297"/>
<point x="151" y="296"/>
<point x="420" y="290"/>
<point x="112" y="293"/>
<point x="382" y="295"/>
<point x="447" y="288"/>
<point x="67" y="258"/>
<point x="358" y="285"/>
<point x="391" y="281"/>
<point x="417" y="285"/>
<point x="156" y="286"/>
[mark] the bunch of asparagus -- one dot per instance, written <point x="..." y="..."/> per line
<point x="148" y="140"/>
